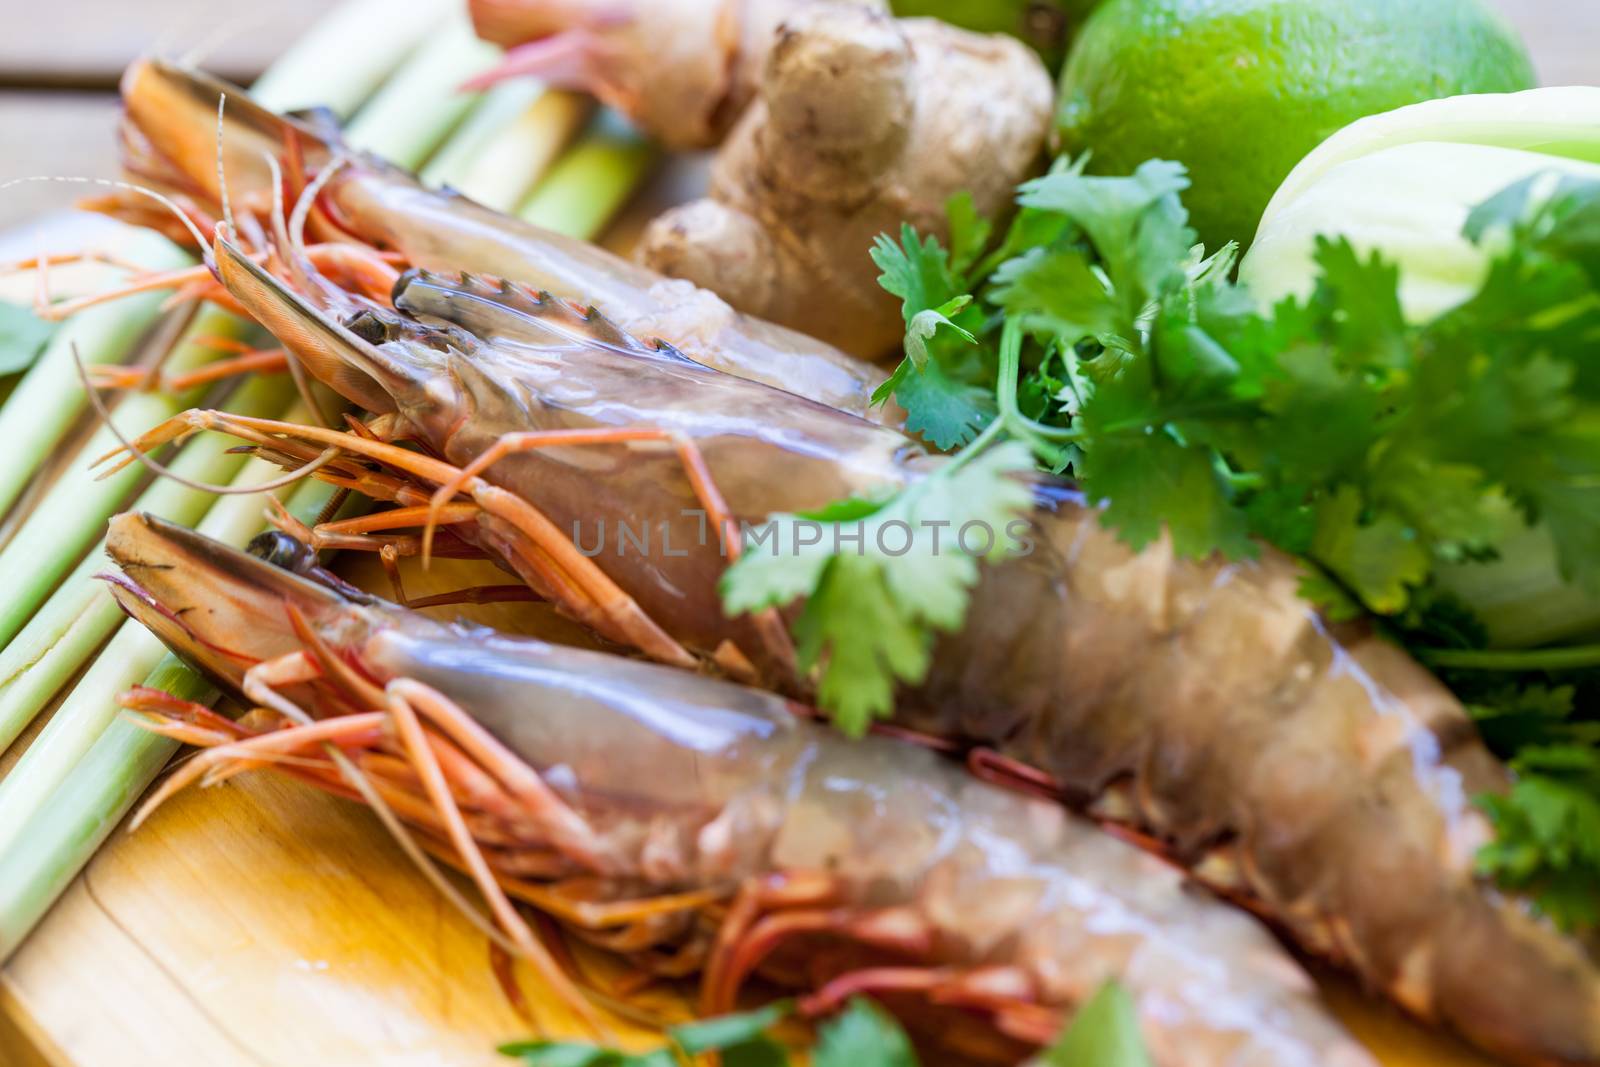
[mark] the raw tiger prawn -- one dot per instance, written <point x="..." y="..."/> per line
<point x="694" y="825"/>
<point x="361" y="216"/>
<point x="1304" y="769"/>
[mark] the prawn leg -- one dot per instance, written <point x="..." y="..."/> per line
<point x="581" y="585"/>
<point x="773" y="633"/>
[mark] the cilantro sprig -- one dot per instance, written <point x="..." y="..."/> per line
<point x="882" y="578"/>
<point x="1328" y="426"/>
<point x="1103" y="1033"/>
<point x="1378" y="450"/>
<point x="1098" y="338"/>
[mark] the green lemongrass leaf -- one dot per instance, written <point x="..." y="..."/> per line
<point x="49" y="399"/>
<point x="322" y="69"/>
<point x="80" y="614"/>
<point x="86" y="711"/>
<point x="508" y="143"/>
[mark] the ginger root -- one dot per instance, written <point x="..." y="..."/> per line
<point x="863" y="122"/>
<point x="682" y="70"/>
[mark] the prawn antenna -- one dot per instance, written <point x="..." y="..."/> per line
<point x="301" y="267"/>
<point x="112" y="183"/>
<point x="162" y="470"/>
<point x="308" y="199"/>
<point x="222" y="173"/>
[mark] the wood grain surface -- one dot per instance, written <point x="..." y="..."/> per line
<point x="260" y="923"/>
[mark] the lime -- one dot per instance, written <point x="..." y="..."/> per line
<point x="1240" y="90"/>
<point x="1045" y="24"/>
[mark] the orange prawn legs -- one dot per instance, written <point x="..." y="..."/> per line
<point x="541" y="554"/>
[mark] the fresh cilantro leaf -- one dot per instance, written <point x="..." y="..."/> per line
<point x="1380" y="560"/>
<point x="1056" y="291"/>
<point x="940" y="404"/>
<point x="1104" y="1033"/>
<point x="725" y="1031"/>
<point x="1437" y="618"/>
<point x="1136" y="224"/>
<point x="1378" y="450"/>
<point x="22" y="337"/>
<point x="863" y="1035"/>
<point x="563" y="1054"/>
<point x="969" y="233"/>
<point x="880" y="585"/>
<point x="1517" y="716"/>
<point x="869" y="643"/>
<point x="1153" y="482"/>
<point x="949" y="413"/>
<point x="1548" y="832"/>
<point x="916" y="271"/>
<point x="741" y="1040"/>
<point x="925" y="324"/>
<point x="1361" y="300"/>
<point x="1332" y="599"/>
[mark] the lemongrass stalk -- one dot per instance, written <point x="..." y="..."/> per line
<point x="48" y="400"/>
<point x="508" y="143"/>
<point x="342" y="60"/>
<point x="586" y="188"/>
<point x="81" y="614"/>
<point x="77" y="817"/>
<point x="71" y="516"/>
<point x="498" y="107"/>
<point x="418" y="108"/>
